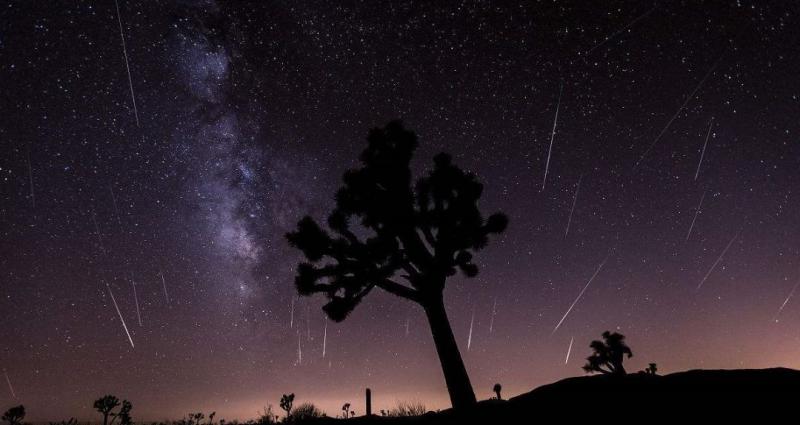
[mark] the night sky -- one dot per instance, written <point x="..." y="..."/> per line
<point x="670" y="116"/>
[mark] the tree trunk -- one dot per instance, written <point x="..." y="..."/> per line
<point x="455" y="374"/>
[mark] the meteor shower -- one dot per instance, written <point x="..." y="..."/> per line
<point x="398" y="212"/>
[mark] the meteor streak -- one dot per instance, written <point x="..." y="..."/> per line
<point x="114" y="203"/>
<point x="124" y="326"/>
<point x="127" y="65"/>
<point x="10" y="387"/>
<point x="703" y="152"/>
<point x="552" y="136"/>
<point x="612" y="36"/>
<point x="164" y="284"/>
<point x="494" y="313"/>
<point x="299" y="350"/>
<point x="136" y="300"/>
<point x="600" y="267"/>
<point x="683" y="105"/>
<point x="471" y="322"/>
<point x="786" y="301"/>
<point x="325" y="337"/>
<point x="291" y="315"/>
<point x="696" y="212"/>
<point x="574" y="200"/>
<point x="713" y="266"/>
<point x="569" y="349"/>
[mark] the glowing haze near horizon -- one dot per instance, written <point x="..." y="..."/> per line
<point x="249" y="112"/>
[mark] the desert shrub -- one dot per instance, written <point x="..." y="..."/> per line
<point x="267" y="417"/>
<point x="14" y="415"/>
<point x="407" y="408"/>
<point x="305" y="411"/>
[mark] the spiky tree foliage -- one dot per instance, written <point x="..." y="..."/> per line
<point x="608" y="355"/>
<point x="286" y="403"/>
<point x="401" y="236"/>
<point x="105" y="405"/>
<point x="14" y="415"/>
<point x="124" y="414"/>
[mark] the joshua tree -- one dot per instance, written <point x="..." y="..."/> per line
<point x="608" y="355"/>
<point x="346" y="410"/>
<point x="105" y="405"/>
<point x="651" y="369"/>
<point x="497" y="388"/>
<point x="385" y="228"/>
<point x="124" y="414"/>
<point x="286" y="403"/>
<point x="14" y="415"/>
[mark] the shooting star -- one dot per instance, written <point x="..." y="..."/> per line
<point x="683" y="105"/>
<point x="299" y="350"/>
<point x="325" y="337"/>
<point x="552" y="137"/>
<point x="291" y="315"/>
<point x="164" y="285"/>
<point x="703" y="152"/>
<point x="596" y="272"/>
<point x="612" y="36"/>
<point x="494" y="313"/>
<point x="114" y="203"/>
<point x="116" y="306"/>
<point x="569" y="349"/>
<point x="713" y="266"/>
<point x="407" y="325"/>
<point x="786" y="301"/>
<point x="471" y="322"/>
<point x="696" y="212"/>
<point x="127" y="65"/>
<point x="10" y="387"/>
<point x="30" y="177"/>
<point x="574" y="200"/>
<point x="97" y="232"/>
<point x="136" y="300"/>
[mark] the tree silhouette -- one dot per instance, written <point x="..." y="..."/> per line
<point x="497" y="388"/>
<point x="385" y="228"/>
<point x="105" y="405"/>
<point x="124" y="414"/>
<point x="14" y="415"/>
<point x="346" y="410"/>
<point x="608" y="355"/>
<point x="286" y="403"/>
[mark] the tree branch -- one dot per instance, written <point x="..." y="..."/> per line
<point x="398" y="289"/>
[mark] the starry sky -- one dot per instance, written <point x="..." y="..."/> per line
<point x="166" y="171"/>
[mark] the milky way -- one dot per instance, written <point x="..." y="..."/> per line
<point x="246" y="115"/>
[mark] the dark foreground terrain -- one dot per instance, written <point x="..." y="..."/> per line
<point x="636" y="398"/>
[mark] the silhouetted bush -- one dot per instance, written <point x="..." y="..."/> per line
<point x="267" y="417"/>
<point x="651" y="369"/>
<point x="14" y="415"/>
<point x="407" y="408"/>
<point x="608" y="355"/>
<point x="305" y="411"/>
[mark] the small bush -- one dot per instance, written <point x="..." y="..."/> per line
<point x="306" y="411"/>
<point x="407" y="408"/>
